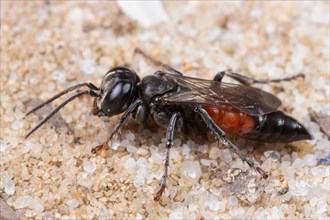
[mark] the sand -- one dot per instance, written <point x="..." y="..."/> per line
<point x="48" y="46"/>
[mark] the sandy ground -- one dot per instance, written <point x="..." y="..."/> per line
<point x="48" y="46"/>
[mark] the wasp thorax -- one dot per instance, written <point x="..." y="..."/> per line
<point x="117" y="92"/>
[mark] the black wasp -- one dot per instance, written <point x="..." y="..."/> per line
<point x="189" y="104"/>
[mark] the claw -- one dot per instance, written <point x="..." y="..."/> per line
<point x="98" y="148"/>
<point x="159" y="193"/>
<point x="263" y="173"/>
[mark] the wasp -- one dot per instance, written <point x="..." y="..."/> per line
<point x="185" y="104"/>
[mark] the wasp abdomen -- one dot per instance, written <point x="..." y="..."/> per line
<point x="272" y="127"/>
<point x="278" y="127"/>
<point x="232" y="121"/>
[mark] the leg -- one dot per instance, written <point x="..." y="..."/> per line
<point x="123" y="118"/>
<point x="169" y="138"/>
<point x="247" y="81"/>
<point x="157" y="62"/>
<point x="221" y="135"/>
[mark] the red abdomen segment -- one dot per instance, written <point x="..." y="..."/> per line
<point x="231" y="121"/>
<point x="271" y="127"/>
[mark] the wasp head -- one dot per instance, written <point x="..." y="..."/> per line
<point x="118" y="90"/>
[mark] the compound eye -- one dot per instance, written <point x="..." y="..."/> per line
<point x="119" y="91"/>
<point x="117" y="99"/>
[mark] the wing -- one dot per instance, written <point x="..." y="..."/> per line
<point x="196" y="91"/>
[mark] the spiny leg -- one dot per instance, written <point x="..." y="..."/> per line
<point x="89" y="85"/>
<point x="221" y="135"/>
<point x="89" y="92"/>
<point x="123" y="118"/>
<point x="169" y="142"/>
<point x="248" y="81"/>
<point x="157" y="62"/>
